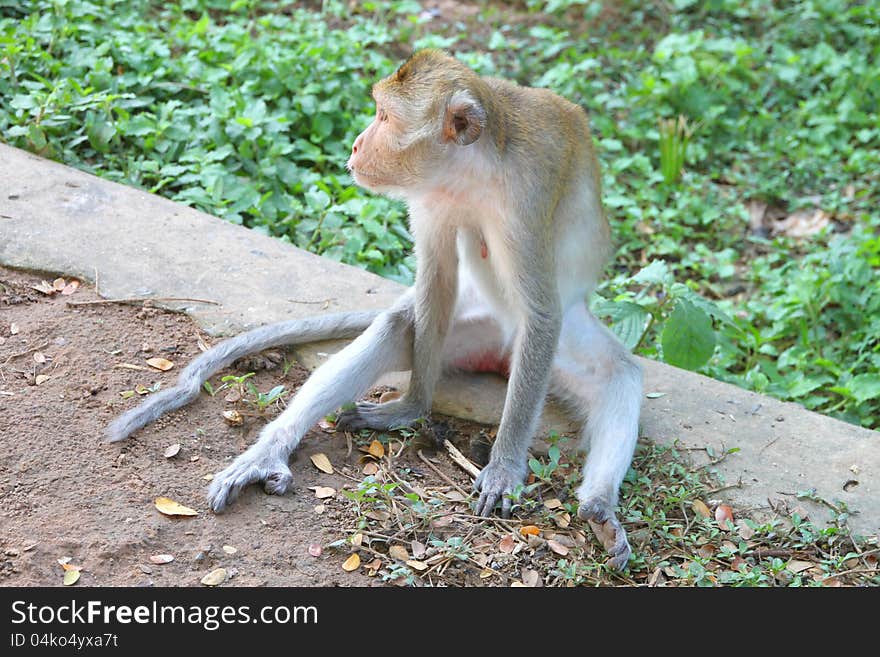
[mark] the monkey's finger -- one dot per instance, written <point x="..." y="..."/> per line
<point x="486" y="503"/>
<point x="506" y="504"/>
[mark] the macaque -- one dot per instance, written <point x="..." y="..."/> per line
<point x="503" y="191"/>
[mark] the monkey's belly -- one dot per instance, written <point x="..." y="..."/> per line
<point x="488" y="362"/>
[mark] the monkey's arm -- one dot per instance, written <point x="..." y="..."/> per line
<point x="297" y="331"/>
<point x="531" y="364"/>
<point x="435" y="290"/>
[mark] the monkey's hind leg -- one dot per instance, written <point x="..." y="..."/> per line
<point x="385" y="346"/>
<point x="602" y="383"/>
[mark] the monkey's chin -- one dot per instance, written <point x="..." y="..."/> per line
<point x="369" y="182"/>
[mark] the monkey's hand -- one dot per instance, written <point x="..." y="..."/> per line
<point x="380" y="417"/>
<point x="497" y="482"/>
<point x="258" y="463"/>
<point x="608" y="530"/>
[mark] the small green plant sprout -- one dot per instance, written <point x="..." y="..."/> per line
<point x="674" y="137"/>
<point x="543" y="471"/>
<point x="231" y="380"/>
<point x="262" y="400"/>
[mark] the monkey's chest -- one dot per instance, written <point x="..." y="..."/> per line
<point x="486" y="272"/>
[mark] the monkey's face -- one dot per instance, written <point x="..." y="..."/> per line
<point x="425" y="112"/>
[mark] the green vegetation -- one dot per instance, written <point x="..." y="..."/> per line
<point x="747" y="230"/>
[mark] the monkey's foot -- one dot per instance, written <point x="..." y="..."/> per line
<point x="249" y="468"/>
<point x="379" y="417"/>
<point x="496" y="482"/>
<point x="608" y="530"/>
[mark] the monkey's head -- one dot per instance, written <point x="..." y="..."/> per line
<point x="426" y="111"/>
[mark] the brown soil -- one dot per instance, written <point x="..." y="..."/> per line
<point x="66" y="493"/>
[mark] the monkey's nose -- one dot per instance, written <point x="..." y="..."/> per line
<point x="356" y="145"/>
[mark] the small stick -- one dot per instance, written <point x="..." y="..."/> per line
<point x="131" y="300"/>
<point x="442" y="476"/>
<point x="460" y="459"/>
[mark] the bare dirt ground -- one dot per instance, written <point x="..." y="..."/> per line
<point x="64" y="493"/>
<point x="395" y="510"/>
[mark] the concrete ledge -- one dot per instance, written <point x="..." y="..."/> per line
<point x="54" y="218"/>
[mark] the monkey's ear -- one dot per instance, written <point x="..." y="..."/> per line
<point x="464" y="120"/>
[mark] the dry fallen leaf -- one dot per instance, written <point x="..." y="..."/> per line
<point x="171" y="508"/>
<point x="322" y="462"/>
<point x="70" y="577"/>
<point x="418" y="549"/>
<point x="532" y="578"/>
<point x="745" y="532"/>
<point x="70" y="288"/>
<point x="228" y="549"/>
<point x="160" y="363"/>
<point x="13" y="328"/>
<point x="442" y="521"/>
<point x="315" y="549"/>
<point x="233" y="396"/>
<point x="208" y="477"/>
<point x="370" y="468"/>
<point x="39" y="357"/>
<point x="381" y="516"/>
<point x="215" y="577"/>
<point x="796" y="566"/>
<point x="557" y="547"/>
<point x="141" y="389"/>
<point x="352" y="563"/>
<point x="724" y="516"/>
<point x="323" y="492"/>
<point x="127" y="394"/>
<point x="389" y="395"/>
<point x="398" y="552"/>
<point x="161" y="558"/>
<point x="552" y="503"/>
<point x="44" y="287"/>
<point x="172" y="450"/>
<point x="529" y="530"/>
<point x="59" y="284"/>
<point x="376" y="449"/>
<point x="356" y="539"/>
<point x="700" y="507"/>
<point x="507" y="544"/>
<point x="326" y="425"/>
<point x="320" y="508"/>
<point x="233" y="417"/>
<point x="562" y="520"/>
<point x="40" y="379"/>
<point x="418" y="565"/>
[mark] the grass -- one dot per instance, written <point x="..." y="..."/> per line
<point x="412" y="524"/>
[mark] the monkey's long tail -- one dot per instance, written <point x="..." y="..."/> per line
<point x="292" y="332"/>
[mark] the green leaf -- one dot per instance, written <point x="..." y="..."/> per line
<point x="865" y="386"/>
<point x="657" y="272"/>
<point x="688" y="338"/>
<point x="629" y="320"/>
